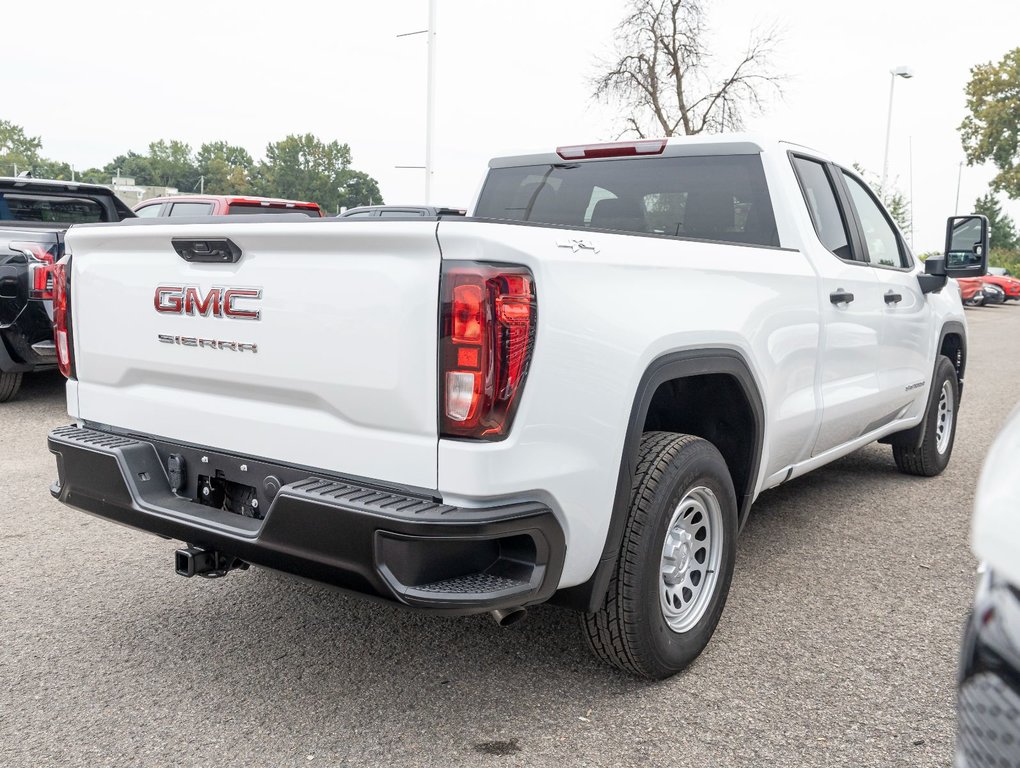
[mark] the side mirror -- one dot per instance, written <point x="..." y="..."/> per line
<point x="934" y="278"/>
<point x="966" y="246"/>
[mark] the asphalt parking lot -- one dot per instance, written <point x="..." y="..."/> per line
<point x="837" y="647"/>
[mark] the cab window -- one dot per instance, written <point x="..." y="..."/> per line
<point x="881" y="242"/>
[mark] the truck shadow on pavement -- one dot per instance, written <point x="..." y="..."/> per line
<point x="360" y="675"/>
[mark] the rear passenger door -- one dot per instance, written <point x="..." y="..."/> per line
<point x="905" y="366"/>
<point x="852" y="311"/>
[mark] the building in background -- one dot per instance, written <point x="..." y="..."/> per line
<point x="125" y="188"/>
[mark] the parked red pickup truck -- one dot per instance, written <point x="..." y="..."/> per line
<point x="223" y="205"/>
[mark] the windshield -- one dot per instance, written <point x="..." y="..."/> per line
<point x="721" y="197"/>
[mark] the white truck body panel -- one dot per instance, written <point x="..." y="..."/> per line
<point x="345" y="373"/>
<point x="603" y="318"/>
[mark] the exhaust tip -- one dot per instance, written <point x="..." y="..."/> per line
<point x="507" y="617"/>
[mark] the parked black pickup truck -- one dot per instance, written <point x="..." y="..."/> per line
<point x="34" y="214"/>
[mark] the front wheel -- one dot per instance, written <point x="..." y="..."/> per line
<point x="931" y="456"/>
<point x="676" y="560"/>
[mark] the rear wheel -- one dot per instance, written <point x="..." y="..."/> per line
<point x="676" y="560"/>
<point x="932" y="455"/>
<point x="9" y="385"/>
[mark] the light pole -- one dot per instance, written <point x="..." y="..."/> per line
<point x="906" y="73"/>
<point x="430" y="97"/>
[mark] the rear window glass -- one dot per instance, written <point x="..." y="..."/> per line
<point x="23" y="206"/>
<point x="721" y="197"/>
<point x="240" y="209"/>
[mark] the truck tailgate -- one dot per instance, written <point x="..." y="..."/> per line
<point x="338" y="372"/>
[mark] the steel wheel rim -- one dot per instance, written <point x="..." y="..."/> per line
<point x="944" y="418"/>
<point x="691" y="555"/>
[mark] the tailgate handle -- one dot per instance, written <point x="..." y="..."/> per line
<point x="215" y="251"/>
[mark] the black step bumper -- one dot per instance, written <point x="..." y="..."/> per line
<point x="354" y="535"/>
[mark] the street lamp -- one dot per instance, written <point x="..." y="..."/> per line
<point x="906" y="73"/>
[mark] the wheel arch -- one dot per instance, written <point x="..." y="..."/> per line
<point x="953" y="344"/>
<point x="667" y="378"/>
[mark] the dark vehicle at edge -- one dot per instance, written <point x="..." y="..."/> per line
<point x="34" y="215"/>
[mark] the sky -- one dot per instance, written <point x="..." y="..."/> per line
<point x="510" y="77"/>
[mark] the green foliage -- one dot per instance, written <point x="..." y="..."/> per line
<point x="18" y="151"/>
<point x="998" y="257"/>
<point x="167" y="164"/>
<point x="225" y="168"/>
<point x="359" y="189"/>
<point x="991" y="132"/>
<point x="1002" y="232"/>
<point x="304" y="168"/>
<point x="892" y="198"/>
<point x="300" y="167"/>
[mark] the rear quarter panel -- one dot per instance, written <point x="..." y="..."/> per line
<point x="603" y="317"/>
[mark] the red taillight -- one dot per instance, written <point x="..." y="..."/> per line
<point x="486" y="336"/>
<point x="40" y="267"/>
<point x="61" y="310"/>
<point x="613" y="149"/>
<point x="42" y="281"/>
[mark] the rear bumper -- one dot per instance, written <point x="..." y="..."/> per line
<point x="359" y="536"/>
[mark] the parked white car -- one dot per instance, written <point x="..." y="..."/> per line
<point x="989" y="695"/>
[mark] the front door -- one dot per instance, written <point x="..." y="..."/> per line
<point x="852" y="313"/>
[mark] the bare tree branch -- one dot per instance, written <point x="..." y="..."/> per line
<point x="664" y="79"/>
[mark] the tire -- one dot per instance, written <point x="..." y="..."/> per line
<point x="679" y="478"/>
<point x="9" y="385"/>
<point x="936" y="447"/>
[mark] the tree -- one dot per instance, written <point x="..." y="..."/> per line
<point x="666" y="81"/>
<point x="18" y="151"/>
<point x="359" y="189"/>
<point x="167" y="164"/>
<point x="132" y="165"/>
<point x="991" y="132"/>
<point x="304" y="168"/>
<point x="225" y="168"/>
<point x="173" y="165"/>
<point x="895" y="202"/>
<point x="1002" y="231"/>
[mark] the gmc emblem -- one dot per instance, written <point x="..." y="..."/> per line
<point x="218" y="302"/>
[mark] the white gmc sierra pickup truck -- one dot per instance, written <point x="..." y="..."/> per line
<point x="574" y="395"/>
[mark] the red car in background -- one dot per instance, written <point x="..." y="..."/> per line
<point x="971" y="290"/>
<point x="1009" y="285"/>
<point x="977" y="291"/>
<point x="222" y="205"/>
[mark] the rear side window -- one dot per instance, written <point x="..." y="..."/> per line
<point x="721" y="197"/>
<point x="237" y="209"/>
<point x="191" y="209"/>
<point x="24" y="206"/>
<point x="821" y="202"/>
